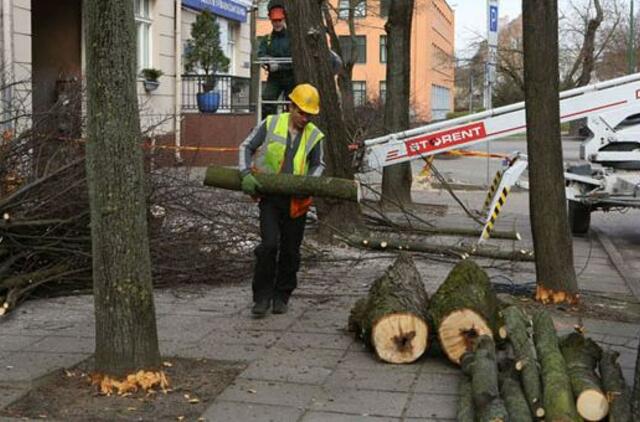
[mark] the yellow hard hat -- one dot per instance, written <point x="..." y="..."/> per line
<point x="306" y="97"/>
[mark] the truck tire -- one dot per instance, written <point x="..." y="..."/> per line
<point x="579" y="217"/>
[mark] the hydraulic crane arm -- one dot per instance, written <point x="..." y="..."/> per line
<point x="578" y="103"/>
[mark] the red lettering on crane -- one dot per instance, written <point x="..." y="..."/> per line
<point x="440" y="140"/>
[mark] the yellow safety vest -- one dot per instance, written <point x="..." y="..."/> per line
<point x="270" y="156"/>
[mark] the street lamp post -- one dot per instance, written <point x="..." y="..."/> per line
<point x="631" y="49"/>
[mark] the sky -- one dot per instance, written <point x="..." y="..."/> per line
<point x="471" y="21"/>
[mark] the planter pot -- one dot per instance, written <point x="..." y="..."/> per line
<point x="150" y="85"/>
<point x="208" y="102"/>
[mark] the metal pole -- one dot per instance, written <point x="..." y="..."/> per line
<point x="254" y="91"/>
<point x="631" y="49"/>
<point x="470" y="90"/>
<point x="490" y="64"/>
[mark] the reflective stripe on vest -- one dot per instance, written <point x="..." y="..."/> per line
<point x="270" y="156"/>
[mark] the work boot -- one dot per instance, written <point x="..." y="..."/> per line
<point x="279" y="306"/>
<point x="260" y="308"/>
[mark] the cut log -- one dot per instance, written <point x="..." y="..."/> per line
<point x="615" y="387"/>
<point x="582" y="356"/>
<point x="286" y="184"/>
<point x="463" y="308"/>
<point x="512" y="394"/>
<point x="392" y="319"/>
<point x="466" y="412"/>
<point x="443" y="231"/>
<point x="517" y="329"/>
<point x="484" y="372"/>
<point x="559" y="404"/>
<point x="390" y="243"/>
<point x="481" y="366"/>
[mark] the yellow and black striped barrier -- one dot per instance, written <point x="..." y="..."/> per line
<point x="486" y="233"/>
<point x="492" y="190"/>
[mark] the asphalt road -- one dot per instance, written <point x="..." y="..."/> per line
<point x="620" y="228"/>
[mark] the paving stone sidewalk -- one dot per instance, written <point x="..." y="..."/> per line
<point x="302" y="366"/>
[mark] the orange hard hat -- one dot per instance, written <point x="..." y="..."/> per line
<point x="276" y="13"/>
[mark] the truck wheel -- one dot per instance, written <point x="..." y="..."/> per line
<point x="579" y="217"/>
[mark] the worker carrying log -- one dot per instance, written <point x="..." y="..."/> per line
<point x="286" y="143"/>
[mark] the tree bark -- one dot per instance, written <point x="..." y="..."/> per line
<point x="397" y="179"/>
<point x="559" y="405"/>
<point x="345" y="83"/>
<point x="286" y="184"/>
<point x="552" y="241"/>
<point x="481" y="366"/>
<point x="513" y="396"/>
<point x="312" y="64"/>
<point x="615" y="387"/>
<point x="581" y="356"/>
<point x="466" y="411"/>
<point x="126" y="334"/>
<point x="635" y="395"/>
<point x="393" y="317"/>
<point x="517" y="330"/>
<point x="463" y="308"/>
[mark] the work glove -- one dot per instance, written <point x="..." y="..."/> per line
<point x="250" y="184"/>
<point x="274" y="67"/>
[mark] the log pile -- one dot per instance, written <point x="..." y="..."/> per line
<point x="515" y="367"/>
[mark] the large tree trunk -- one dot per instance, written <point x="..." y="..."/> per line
<point x="517" y="329"/>
<point x="463" y="308"/>
<point x="312" y="64"/>
<point x="286" y="184"/>
<point x="392" y="319"/>
<point x="396" y="179"/>
<point x="635" y="395"/>
<point x="345" y="83"/>
<point x="559" y="405"/>
<point x="126" y="335"/>
<point x="555" y="274"/>
<point x="582" y="356"/>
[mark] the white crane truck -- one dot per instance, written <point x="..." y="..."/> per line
<point x="609" y="179"/>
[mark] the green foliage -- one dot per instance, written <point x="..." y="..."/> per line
<point x="151" y="74"/>
<point x="203" y="48"/>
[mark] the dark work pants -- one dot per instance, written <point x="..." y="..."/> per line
<point x="272" y="90"/>
<point x="278" y="256"/>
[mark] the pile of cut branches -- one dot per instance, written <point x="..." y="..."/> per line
<point x="197" y="235"/>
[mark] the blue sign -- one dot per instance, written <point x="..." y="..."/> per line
<point x="493" y="18"/>
<point x="225" y="8"/>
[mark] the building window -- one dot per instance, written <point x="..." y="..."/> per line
<point x="440" y="102"/>
<point x="361" y="48"/>
<point x="263" y="13"/>
<point x="143" y="32"/>
<point x="231" y="46"/>
<point x="383" y="48"/>
<point x="384" y="8"/>
<point x="359" y="11"/>
<point x="359" y="93"/>
<point x="383" y="92"/>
